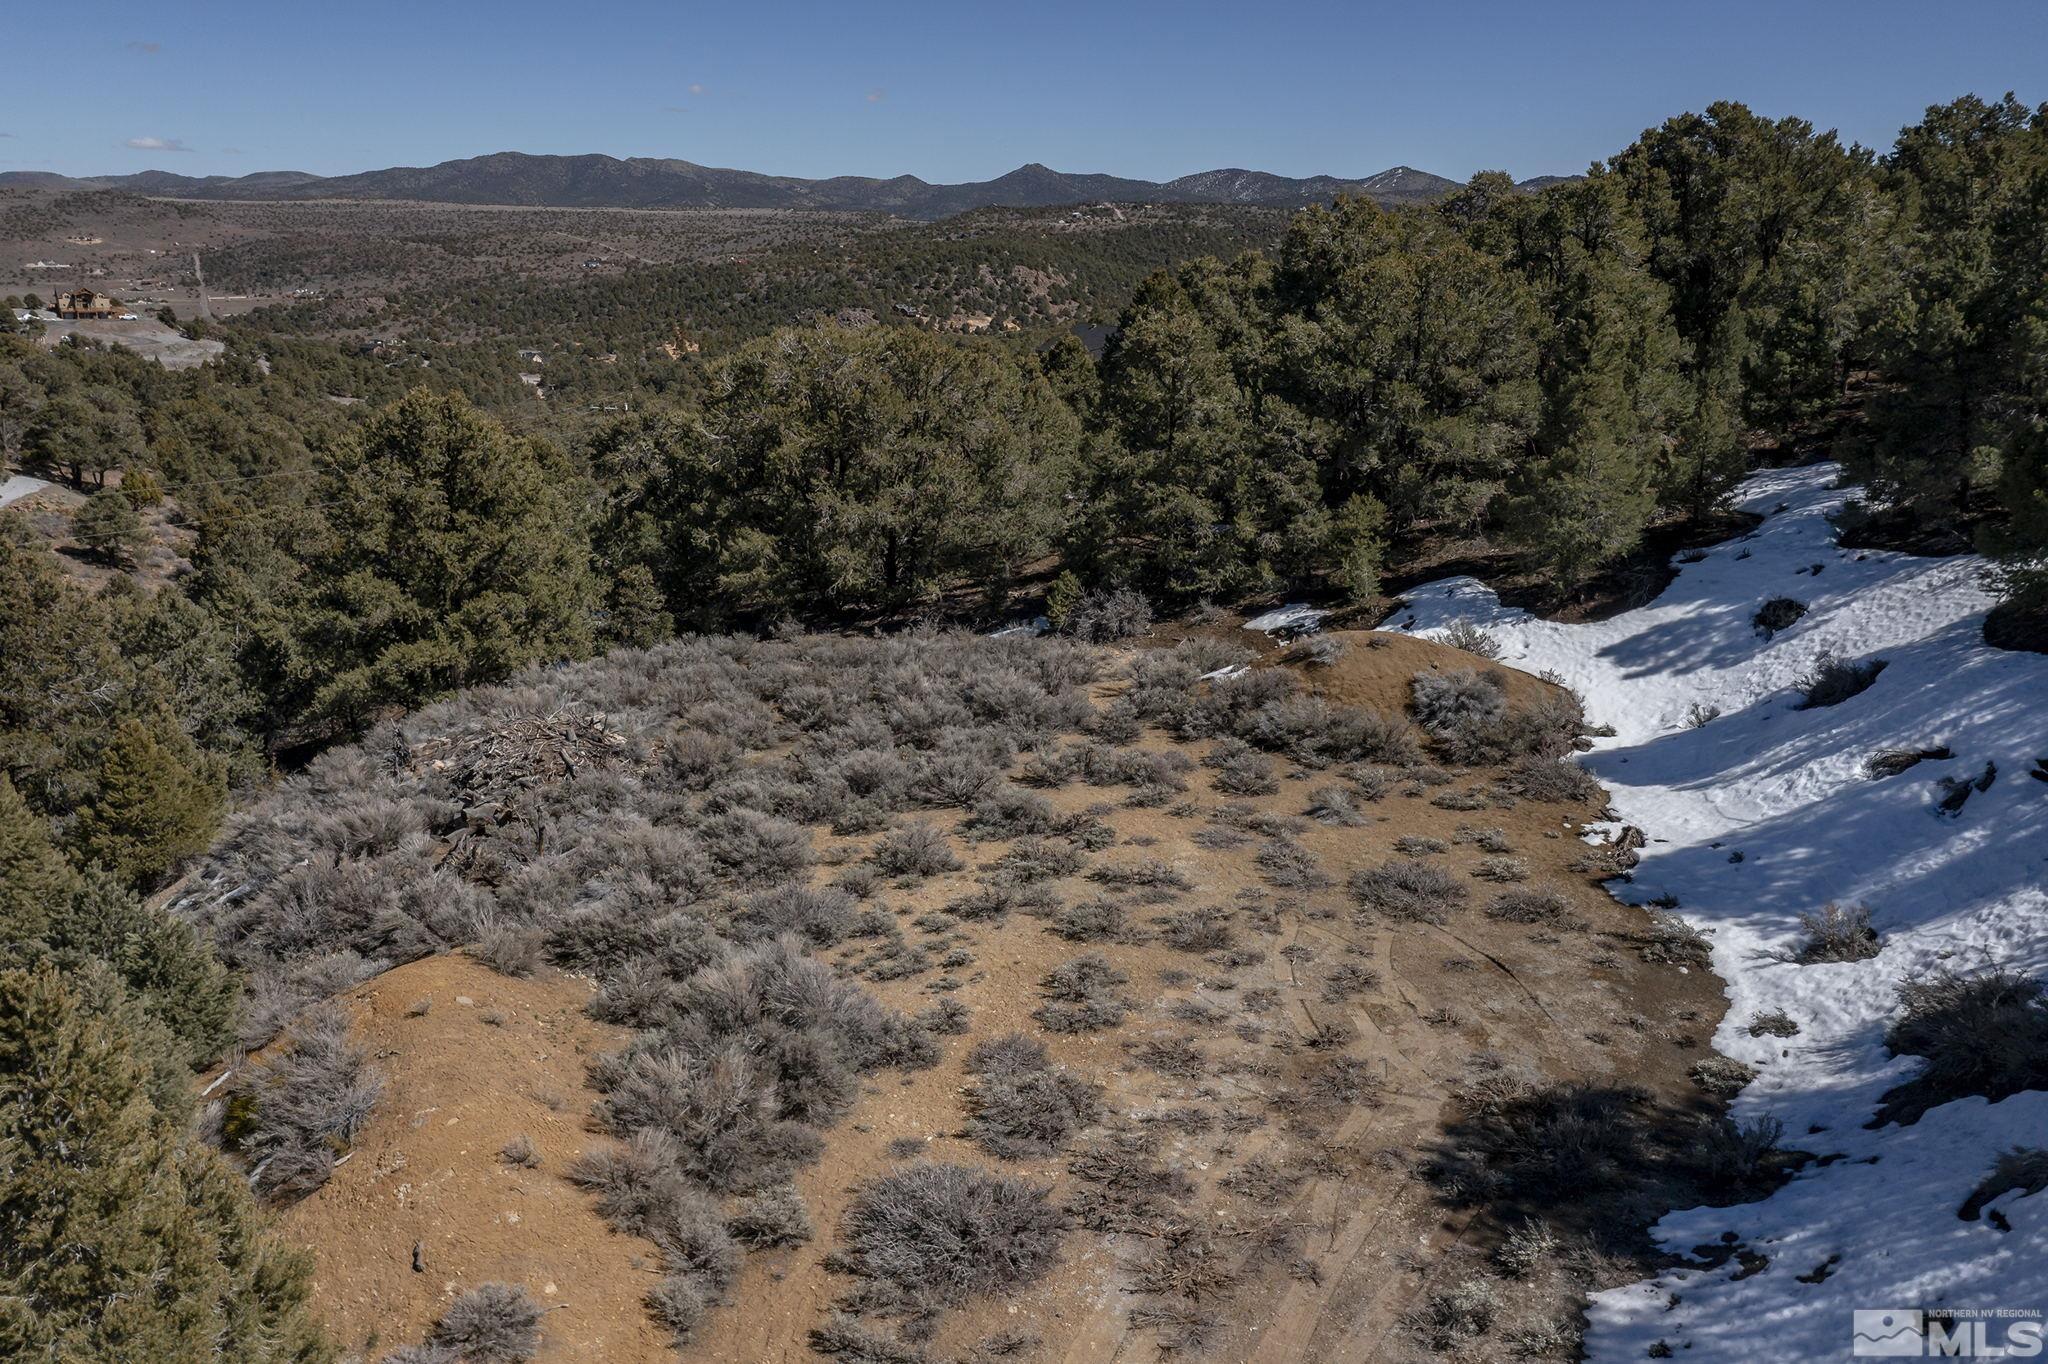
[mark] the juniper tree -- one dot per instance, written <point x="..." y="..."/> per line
<point x="157" y="801"/>
<point x="844" y="470"/>
<point x="1968" y="174"/>
<point x="108" y="525"/>
<point x="455" y="553"/>
<point x="1609" y="369"/>
<point x="1417" y="349"/>
<point x="121" y="1239"/>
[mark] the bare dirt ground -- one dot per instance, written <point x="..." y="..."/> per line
<point x="146" y="336"/>
<point x="474" y="1060"/>
<point x="1319" y="1225"/>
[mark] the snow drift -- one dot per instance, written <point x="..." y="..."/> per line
<point x="1759" y="810"/>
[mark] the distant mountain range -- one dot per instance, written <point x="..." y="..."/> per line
<point x="515" y="178"/>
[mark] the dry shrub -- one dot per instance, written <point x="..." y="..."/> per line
<point x="1147" y="874"/>
<point x="1451" y="1318"/>
<point x="1833" y="680"/>
<point x="1779" y="613"/>
<point x="516" y="952"/>
<point x="1528" y="907"/>
<point x="493" y="1323"/>
<point x="1462" y="711"/>
<point x="1525" y="1249"/>
<point x="1039" y="859"/>
<point x="951" y="1232"/>
<point x="1020" y="1106"/>
<point x="2024" y="1168"/>
<point x="1727" y="1156"/>
<point x="773" y="1217"/>
<point x="1405" y="889"/>
<point x="914" y="851"/>
<point x="679" y="1303"/>
<point x="1012" y="812"/>
<point x="1206" y="929"/>
<point x="1838" y="933"/>
<point x="1095" y="921"/>
<point x="1501" y="869"/>
<point x="1465" y="634"/>
<point x="1722" y="1076"/>
<point x="1289" y="866"/>
<point x="1332" y="804"/>
<point x="1245" y="773"/>
<point x="301" y="1107"/>
<point x="1984" y="1034"/>
<point x="1083" y="995"/>
<point x="1104" y="617"/>
<point x="520" y="1151"/>
<point x="1674" y="942"/>
<point x="1175" y="1056"/>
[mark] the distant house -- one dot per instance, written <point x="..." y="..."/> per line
<point x="532" y="357"/>
<point x="84" y="303"/>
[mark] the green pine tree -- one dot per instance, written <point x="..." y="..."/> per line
<point x="635" y="613"/>
<point x="1610" y="372"/>
<point x="109" y="526"/>
<point x="122" y="1241"/>
<point x="456" y="554"/>
<point x="157" y="803"/>
<point x="34" y="879"/>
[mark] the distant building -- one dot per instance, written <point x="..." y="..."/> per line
<point x="532" y="357"/>
<point x="84" y="303"/>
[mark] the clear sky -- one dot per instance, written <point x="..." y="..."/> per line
<point x="960" y="89"/>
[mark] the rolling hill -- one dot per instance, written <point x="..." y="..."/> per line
<point x="516" y="178"/>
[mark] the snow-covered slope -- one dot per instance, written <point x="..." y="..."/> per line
<point x="1786" y="790"/>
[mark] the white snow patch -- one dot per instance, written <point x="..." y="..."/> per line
<point x="1786" y="789"/>
<point x="1293" y="616"/>
<point x="1037" y="625"/>
<point x="19" y="486"/>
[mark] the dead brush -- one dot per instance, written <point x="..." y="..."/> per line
<point x="1837" y="933"/>
<point x="1674" y="942"/>
<point x="1262" y="1181"/>
<point x="1288" y="865"/>
<point x="1186" y="1260"/>
<point x="1083" y="995"/>
<point x="1530" y="906"/>
<point x="1174" y="1056"/>
<point x="1982" y="1033"/>
<point x="1097" y="920"/>
<point x="1020" y="1105"/>
<point x="1032" y="859"/>
<point x="493" y="1323"/>
<point x="1333" y="804"/>
<point x="1126" y="1186"/>
<point x="1148" y="874"/>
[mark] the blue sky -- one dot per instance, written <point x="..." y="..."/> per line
<point x="967" y="90"/>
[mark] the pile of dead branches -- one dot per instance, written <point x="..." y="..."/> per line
<point x="488" y="767"/>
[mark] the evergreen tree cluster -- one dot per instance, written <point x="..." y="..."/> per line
<point x="123" y="1237"/>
